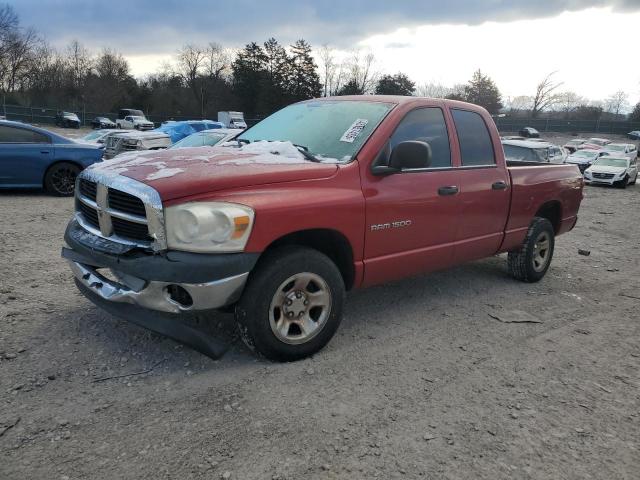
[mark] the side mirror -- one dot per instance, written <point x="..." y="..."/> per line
<point x="410" y="154"/>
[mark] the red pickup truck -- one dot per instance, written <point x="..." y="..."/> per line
<point x="321" y="197"/>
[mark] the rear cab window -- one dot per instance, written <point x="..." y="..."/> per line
<point x="474" y="139"/>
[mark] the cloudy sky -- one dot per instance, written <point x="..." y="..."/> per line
<point x="593" y="44"/>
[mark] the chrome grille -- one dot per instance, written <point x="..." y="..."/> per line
<point x="604" y="176"/>
<point x="120" y="209"/>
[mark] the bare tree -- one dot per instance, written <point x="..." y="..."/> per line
<point x="519" y="103"/>
<point x="361" y="71"/>
<point x="217" y="61"/>
<point x="328" y="69"/>
<point x="616" y="103"/>
<point x="568" y="101"/>
<point x="19" y="49"/>
<point x="546" y="95"/>
<point x="433" y="90"/>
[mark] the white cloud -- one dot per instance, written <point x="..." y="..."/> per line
<point x="594" y="52"/>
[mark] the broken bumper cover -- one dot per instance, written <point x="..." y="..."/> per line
<point x="173" y="282"/>
<point x="161" y="296"/>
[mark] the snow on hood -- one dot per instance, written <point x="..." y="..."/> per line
<point x="178" y="172"/>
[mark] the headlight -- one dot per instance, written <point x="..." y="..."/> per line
<point x="587" y="173"/>
<point x="208" y="226"/>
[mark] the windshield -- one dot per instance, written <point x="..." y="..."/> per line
<point x="330" y="129"/>
<point x="138" y="118"/>
<point x="597" y="141"/>
<point x="200" y="140"/>
<point x="616" y="148"/>
<point x="611" y="162"/>
<point x="575" y="142"/>
<point x="584" y="154"/>
<point x="92" y="136"/>
<point x="524" y="154"/>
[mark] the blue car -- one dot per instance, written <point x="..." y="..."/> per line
<point x="32" y="157"/>
<point x="179" y="130"/>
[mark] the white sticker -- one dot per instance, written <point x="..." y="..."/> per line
<point x="354" y="130"/>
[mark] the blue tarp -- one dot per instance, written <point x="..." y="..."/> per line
<point x="179" y="130"/>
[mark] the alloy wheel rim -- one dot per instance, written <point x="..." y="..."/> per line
<point x="300" y="308"/>
<point x="64" y="180"/>
<point x="541" y="251"/>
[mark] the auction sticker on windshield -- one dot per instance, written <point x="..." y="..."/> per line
<point x="354" y="130"/>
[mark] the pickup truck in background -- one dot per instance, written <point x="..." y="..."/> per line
<point x="133" y="141"/>
<point x="131" y="119"/>
<point x="322" y="197"/>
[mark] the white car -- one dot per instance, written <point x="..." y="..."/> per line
<point x="208" y="138"/>
<point x="621" y="150"/>
<point x="533" y="151"/>
<point x="614" y="171"/>
<point x="130" y="141"/>
<point x="98" y="137"/>
<point x="584" y="158"/>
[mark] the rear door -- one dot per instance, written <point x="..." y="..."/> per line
<point x="484" y="188"/>
<point x="24" y="156"/>
<point x="412" y="216"/>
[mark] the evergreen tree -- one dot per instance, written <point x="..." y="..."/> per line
<point x="249" y="72"/>
<point x="274" y="92"/>
<point x="482" y="91"/>
<point x="398" y="84"/>
<point x="304" y="82"/>
<point x="350" y="88"/>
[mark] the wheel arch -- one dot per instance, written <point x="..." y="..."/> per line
<point x="332" y="243"/>
<point x="552" y="211"/>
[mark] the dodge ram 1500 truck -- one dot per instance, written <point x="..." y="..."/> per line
<point x="319" y="198"/>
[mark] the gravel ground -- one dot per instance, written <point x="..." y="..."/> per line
<point x="421" y="380"/>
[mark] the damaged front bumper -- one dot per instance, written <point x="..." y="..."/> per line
<point x="172" y="282"/>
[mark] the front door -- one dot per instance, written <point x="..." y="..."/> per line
<point x="412" y="217"/>
<point x="24" y="156"/>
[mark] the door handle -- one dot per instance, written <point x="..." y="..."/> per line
<point x="501" y="185"/>
<point x="44" y="151"/>
<point x="448" y="190"/>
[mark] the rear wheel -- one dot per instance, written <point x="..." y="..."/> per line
<point x="60" y="179"/>
<point x="531" y="262"/>
<point x="292" y="305"/>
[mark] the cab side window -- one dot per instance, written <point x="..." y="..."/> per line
<point x="476" y="147"/>
<point x="21" y="135"/>
<point x="426" y="125"/>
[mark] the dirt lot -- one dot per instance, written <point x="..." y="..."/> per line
<point x="420" y="381"/>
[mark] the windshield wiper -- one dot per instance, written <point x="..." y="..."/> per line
<point x="306" y="153"/>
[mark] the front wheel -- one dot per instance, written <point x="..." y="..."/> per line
<point x="60" y="179"/>
<point x="623" y="183"/>
<point x="531" y="262"/>
<point x="292" y="305"/>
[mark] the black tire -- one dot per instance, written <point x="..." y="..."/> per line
<point x="524" y="264"/>
<point x="624" y="182"/>
<point x="255" y="316"/>
<point x="60" y="179"/>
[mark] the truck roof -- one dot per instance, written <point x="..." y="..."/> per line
<point x="527" y="143"/>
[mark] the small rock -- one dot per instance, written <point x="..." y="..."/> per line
<point x="427" y="436"/>
<point x="226" y="475"/>
<point x="450" y="441"/>
<point x="227" y="408"/>
<point x="9" y="356"/>
<point x="51" y="376"/>
<point x="22" y="349"/>
<point x="325" y="467"/>
<point x="514" y="415"/>
<point x="63" y="421"/>
<point x="584" y="253"/>
<point x="310" y="371"/>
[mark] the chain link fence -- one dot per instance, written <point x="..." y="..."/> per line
<point x="510" y="124"/>
<point x="47" y="116"/>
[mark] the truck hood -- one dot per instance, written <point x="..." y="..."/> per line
<point x="192" y="171"/>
